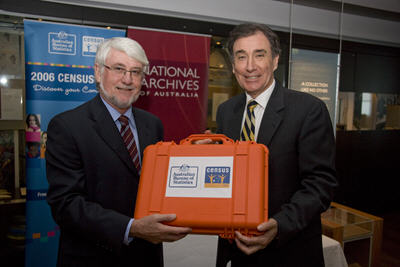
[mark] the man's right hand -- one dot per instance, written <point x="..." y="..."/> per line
<point x="153" y="230"/>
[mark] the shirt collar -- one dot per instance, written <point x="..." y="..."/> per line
<point x="115" y="114"/>
<point x="262" y="99"/>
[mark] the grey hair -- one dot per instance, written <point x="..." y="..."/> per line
<point x="132" y="48"/>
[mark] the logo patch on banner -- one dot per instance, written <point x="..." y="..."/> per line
<point x="89" y="45"/>
<point x="217" y="177"/>
<point x="62" y="43"/>
<point x="183" y="176"/>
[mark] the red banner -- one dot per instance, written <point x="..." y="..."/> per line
<point x="175" y="88"/>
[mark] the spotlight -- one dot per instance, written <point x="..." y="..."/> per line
<point x="3" y="80"/>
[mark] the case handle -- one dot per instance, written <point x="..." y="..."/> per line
<point x="220" y="138"/>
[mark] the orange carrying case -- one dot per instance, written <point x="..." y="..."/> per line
<point x="212" y="188"/>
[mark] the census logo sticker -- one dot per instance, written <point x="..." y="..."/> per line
<point x="62" y="43"/>
<point x="183" y="176"/>
<point x="89" y="45"/>
<point x="217" y="177"/>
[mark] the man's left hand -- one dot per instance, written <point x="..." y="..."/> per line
<point x="250" y="245"/>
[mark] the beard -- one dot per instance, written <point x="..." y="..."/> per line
<point x="115" y="101"/>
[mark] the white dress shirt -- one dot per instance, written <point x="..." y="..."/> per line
<point x="262" y="101"/>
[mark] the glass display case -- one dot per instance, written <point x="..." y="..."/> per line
<point x="359" y="233"/>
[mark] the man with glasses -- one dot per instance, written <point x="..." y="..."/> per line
<point x="93" y="160"/>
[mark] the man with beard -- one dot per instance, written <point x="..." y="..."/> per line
<point x="93" y="160"/>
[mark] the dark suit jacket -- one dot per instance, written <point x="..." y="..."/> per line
<point x="93" y="185"/>
<point x="297" y="130"/>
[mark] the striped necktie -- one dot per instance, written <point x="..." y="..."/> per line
<point x="249" y="125"/>
<point x="129" y="141"/>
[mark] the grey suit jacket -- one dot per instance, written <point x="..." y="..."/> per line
<point x="93" y="185"/>
<point x="297" y="130"/>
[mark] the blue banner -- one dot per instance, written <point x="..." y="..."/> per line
<point x="59" y="60"/>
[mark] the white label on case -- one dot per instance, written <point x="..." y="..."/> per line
<point x="208" y="177"/>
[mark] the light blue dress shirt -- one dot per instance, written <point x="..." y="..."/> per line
<point x="115" y="115"/>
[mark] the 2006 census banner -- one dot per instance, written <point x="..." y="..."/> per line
<point x="175" y="88"/>
<point x="59" y="61"/>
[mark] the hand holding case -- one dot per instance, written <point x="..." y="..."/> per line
<point x="212" y="188"/>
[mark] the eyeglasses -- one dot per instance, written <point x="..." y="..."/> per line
<point x="121" y="71"/>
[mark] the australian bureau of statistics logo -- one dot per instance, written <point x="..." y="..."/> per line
<point x="183" y="176"/>
<point x="217" y="177"/>
<point x="62" y="43"/>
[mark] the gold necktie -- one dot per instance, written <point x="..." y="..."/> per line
<point x="249" y="125"/>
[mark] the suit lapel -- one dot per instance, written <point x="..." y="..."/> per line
<point x="235" y="122"/>
<point x="272" y="117"/>
<point x="108" y="131"/>
<point x="143" y="132"/>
